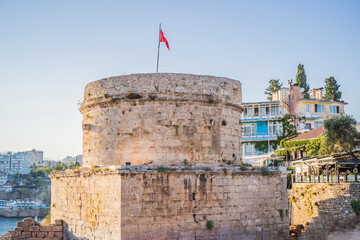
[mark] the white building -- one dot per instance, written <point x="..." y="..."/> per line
<point x="12" y="163"/>
<point x="36" y="157"/>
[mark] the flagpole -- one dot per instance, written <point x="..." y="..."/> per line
<point x="157" y="65"/>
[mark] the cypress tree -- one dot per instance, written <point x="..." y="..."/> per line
<point x="301" y="80"/>
<point x="332" y="89"/>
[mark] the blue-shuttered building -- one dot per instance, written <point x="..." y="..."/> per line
<point x="260" y="126"/>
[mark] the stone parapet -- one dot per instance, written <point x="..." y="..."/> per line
<point x="31" y="230"/>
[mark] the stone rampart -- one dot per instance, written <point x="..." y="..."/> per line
<point x="323" y="207"/>
<point x="172" y="203"/>
<point x="162" y="119"/>
<point x="30" y="229"/>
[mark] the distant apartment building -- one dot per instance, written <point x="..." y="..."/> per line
<point x="260" y="129"/>
<point x="49" y="163"/>
<point x="78" y="159"/>
<point x="313" y="111"/>
<point x="3" y="179"/>
<point x="5" y="163"/>
<point x="12" y="163"/>
<point x="69" y="159"/>
<point x="36" y="158"/>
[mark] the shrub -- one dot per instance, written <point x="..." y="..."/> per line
<point x="355" y="204"/>
<point x="265" y="171"/>
<point x="47" y="219"/>
<point x="210" y="225"/>
<point x="292" y="199"/>
<point x="161" y="169"/>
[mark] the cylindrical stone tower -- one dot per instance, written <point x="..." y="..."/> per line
<point x="162" y="119"/>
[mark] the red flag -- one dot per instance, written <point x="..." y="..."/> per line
<point x="163" y="39"/>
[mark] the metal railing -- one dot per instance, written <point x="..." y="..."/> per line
<point x="338" y="178"/>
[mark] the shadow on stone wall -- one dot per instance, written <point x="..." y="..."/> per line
<point x="320" y="208"/>
<point x="68" y="235"/>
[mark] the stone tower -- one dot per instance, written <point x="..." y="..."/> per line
<point x="162" y="161"/>
<point x="162" y="119"/>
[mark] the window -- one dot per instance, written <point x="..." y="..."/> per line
<point x="274" y="111"/>
<point x="249" y="149"/>
<point x="319" y="108"/>
<point x="250" y="112"/>
<point x="334" y="109"/>
<point x="248" y="129"/>
<point x="319" y="124"/>
<point x="272" y="128"/>
<point x="307" y="108"/>
<point x="307" y="125"/>
<point x="262" y="111"/>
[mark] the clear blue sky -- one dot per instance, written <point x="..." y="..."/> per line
<point x="49" y="51"/>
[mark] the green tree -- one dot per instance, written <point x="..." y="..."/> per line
<point x="301" y="80"/>
<point x="274" y="85"/>
<point x="60" y="166"/>
<point x="341" y="136"/>
<point x="72" y="165"/>
<point x="332" y="89"/>
<point x="289" y="126"/>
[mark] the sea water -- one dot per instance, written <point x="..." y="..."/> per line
<point x="8" y="224"/>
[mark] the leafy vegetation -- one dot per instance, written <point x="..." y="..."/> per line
<point x="355" y="204"/>
<point x="289" y="126"/>
<point x="274" y="85"/>
<point x="42" y="172"/>
<point x="210" y="225"/>
<point x="332" y="89"/>
<point x="301" y="80"/>
<point x="161" y="169"/>
<point x="47" y="219"/>
<point x="341" y="136"/>
<point x="265" y="171"/>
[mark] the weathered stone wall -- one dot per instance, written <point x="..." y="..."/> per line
<point x="323" y="207"/>
<point x="30" y="229"/>
<point x="162" y="119"/>
<point x="176" y="203"/>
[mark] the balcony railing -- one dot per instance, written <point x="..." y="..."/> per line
<point x="339" y="178"/>
<point x="268" y="116"/>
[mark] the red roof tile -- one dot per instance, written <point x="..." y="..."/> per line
<point x="312" y="134"/>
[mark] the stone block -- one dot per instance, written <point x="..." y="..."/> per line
<point x="34" y="228"/>
<point x="58" y="222"/>
<point x="41" y="234"/>
<point x="45" y="228"/>
<point x="26" y="234"/>
<point x="58" y="234"/>
<point x="57" y="228"/>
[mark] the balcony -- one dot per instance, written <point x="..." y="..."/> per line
<point x="260" y="117"/>
<point x="310" y="116"/>
<point x="261" y="137"/>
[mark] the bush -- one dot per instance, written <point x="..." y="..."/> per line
<point x="265" y="171"/>
<point x="161" y="169"/>
<point x="355" y="204"/>
<point x="47" y="219"/>
<point x="210" y="225"/>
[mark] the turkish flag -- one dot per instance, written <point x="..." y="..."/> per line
<point x="163" y="39"/>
